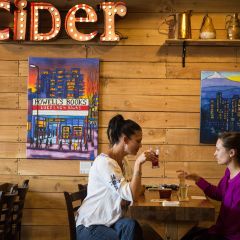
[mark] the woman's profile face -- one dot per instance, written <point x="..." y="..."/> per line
<point x="134" y="143"/>
<point x="222" y="155"/>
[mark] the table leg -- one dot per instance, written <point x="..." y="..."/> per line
<point x="171" y="232"/>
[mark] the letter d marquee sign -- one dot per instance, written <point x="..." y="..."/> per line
<point x="110" y="9"/>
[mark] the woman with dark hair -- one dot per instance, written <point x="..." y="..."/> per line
<point x="228" y="192"/>
<point x="100" y="216"/>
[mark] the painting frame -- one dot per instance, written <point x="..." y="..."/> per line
<point x="220" y="98"/>
<point x="62" y="108"/>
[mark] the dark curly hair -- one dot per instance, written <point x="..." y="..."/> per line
<point x="231" y="140"/>
<point x="118" y="126"/>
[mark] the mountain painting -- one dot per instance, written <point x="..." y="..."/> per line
<point x="220" y="104"/>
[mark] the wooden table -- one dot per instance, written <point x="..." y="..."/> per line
<point x="188" y="211"/>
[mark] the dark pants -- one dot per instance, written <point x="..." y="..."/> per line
<point x="123" y="229"/>
<point x="198" y="233"/>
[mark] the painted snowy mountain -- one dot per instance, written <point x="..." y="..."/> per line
<point x="217" y="79"/>
<point x="216" y="82"/>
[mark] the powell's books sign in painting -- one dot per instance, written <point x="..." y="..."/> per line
<point x="220" y="104"/>
<point x="62" y="108"/>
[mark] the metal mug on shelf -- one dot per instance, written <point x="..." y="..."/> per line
<point x="179" y="25"/>
<point x="184" y="25"/>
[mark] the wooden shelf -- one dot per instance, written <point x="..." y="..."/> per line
<point x="200" y="42"/>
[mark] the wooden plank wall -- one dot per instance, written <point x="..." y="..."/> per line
<point x="141" y="78"/>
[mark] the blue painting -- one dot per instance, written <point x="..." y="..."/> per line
<point x="220" y="104"/>
<point x="63" y="108"/>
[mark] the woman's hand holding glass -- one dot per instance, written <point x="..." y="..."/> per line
<point x="147" y="156"/>
<point x="185" y="175"/>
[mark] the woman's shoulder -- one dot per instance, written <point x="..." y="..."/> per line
<point x="104" y="159"/>
<point x="102" y="156"/>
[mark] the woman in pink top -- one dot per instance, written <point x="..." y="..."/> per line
<point x="228" y="192"/>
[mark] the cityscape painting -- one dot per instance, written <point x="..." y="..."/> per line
<point x="62" y="108"/>
<point x="220" y="104"/>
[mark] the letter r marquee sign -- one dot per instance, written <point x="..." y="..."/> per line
<point x="110" y="9"/>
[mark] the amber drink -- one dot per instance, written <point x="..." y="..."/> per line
<point x="155" y="164"/>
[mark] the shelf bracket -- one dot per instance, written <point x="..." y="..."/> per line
<point x="183" y="53"/>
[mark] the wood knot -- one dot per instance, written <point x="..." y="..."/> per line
<point x="57" y="186"/>
<point x="105" y="82"/>
<point x="127" y="103"/>
<point x="151" y="132"/>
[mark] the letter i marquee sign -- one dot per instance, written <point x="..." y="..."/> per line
<point x="110" y="9"/>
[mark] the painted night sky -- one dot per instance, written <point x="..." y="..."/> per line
<point x="220" y="104"/>
<point x="87" y="67"/>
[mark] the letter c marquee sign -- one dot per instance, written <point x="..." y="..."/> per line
<point x="110" y="9"/>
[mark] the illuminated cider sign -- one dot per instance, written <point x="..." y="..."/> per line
<point x="110" y="9"/>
